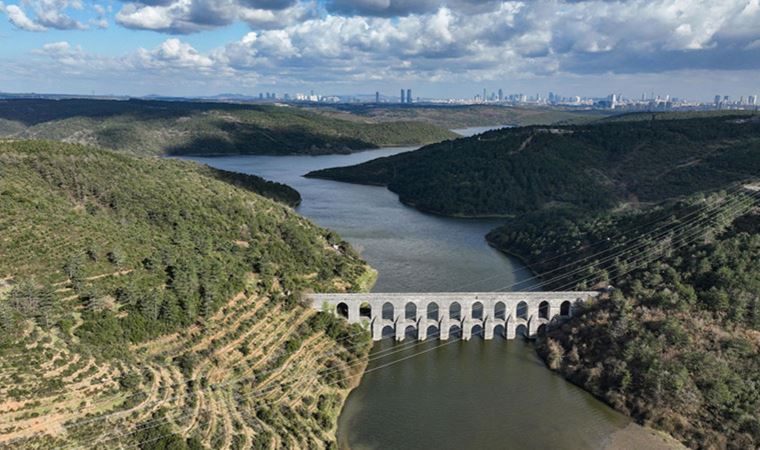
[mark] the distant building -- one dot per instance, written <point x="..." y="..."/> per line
<point x="409" y="96"/>
<point x="403" y="99"/>
<point x="501" y="95"/>
<point x="752" y="100"/>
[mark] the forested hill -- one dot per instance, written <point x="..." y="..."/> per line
<point x="676" y="344"/>
<point x="195" y="128"/>
<point x="589" y="167"/>
<point x="147" y="300"/>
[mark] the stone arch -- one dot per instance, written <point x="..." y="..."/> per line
<point x="543" y="310"/>
<point x="388" y="332"/>
<point x="455" y="331"/>
<point x="455" y="311"/>
<point x="521" y="331"/>
<point x="388" y="311"/>
<point x="541" y="331"/>
<point x="477" y="330"/>
<point x="410" y="311"/>
<point x="477" y="311"/>
<point x="432" y="332"/>
<point x="342" y="310"/>
<point x="410" y="332"/>
<point x="500" y="311"/>
<point x="498" y="330"/>
<point x="432" y="311"/>
<point x="522" y="310"/>
<point x="365" y="311"/>
<point x="564" y="308"/>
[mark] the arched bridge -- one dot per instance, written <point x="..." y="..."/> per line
<point x="440" y="315"/>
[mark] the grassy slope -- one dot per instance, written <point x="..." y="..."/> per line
<point x="589" y="167"/>
<point x="139" y="285"/>
<point x="182" y="128"/>
<point x="451" y="117"/>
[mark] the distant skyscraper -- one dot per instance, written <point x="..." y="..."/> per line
<point x="402" y="96"/>
<point x="752" y="100"/>
<point x="484" y="95"/>
<point x="501" y="95"/>
<point x="409" y="96"/>
<point x="717" y="101"/>
<point x="377" y="97"/>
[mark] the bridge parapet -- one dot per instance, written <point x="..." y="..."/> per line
<point x="428" y="315"/>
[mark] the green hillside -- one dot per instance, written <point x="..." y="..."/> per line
<point x="139" y="290"/>
<point x="196" y="128"/>
<point x="676" y="344"/>
<point x="463" y="116"/>
<point x="589" y="167"/>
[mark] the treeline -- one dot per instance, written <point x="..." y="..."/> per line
<point x="589" y="168"/>
<point x="198" y="128"/>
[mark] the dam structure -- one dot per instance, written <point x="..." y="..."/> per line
<point x="444" y="314"/>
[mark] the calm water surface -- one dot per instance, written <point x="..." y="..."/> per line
<point x="455" y="395"/>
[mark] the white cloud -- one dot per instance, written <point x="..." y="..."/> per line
<point x="47" y="14"/>
<point x="19" y="19"/>
<point x="191" y="16"/>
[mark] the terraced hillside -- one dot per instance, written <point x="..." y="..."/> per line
<point x="147" y="303"/>
<point x="195" y="128"/>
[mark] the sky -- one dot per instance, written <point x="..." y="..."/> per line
<point x="690" y="49"/>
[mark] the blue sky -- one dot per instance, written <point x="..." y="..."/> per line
<point x="440" y="48"/>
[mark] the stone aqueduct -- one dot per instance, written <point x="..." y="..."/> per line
<point x="428" y="315"/>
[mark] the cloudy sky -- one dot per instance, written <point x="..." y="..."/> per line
<point x="685" y="48"/>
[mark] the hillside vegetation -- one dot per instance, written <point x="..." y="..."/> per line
<point x="148" y="302"/>
<point x="464" y="116"/>
<point x="676" y="345"/>
<point x="588" y="167"/>
<point x="195" y="128"/>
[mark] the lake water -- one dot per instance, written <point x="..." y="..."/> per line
<point x="444" y="395"/>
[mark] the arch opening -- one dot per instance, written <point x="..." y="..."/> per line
<point x="522" y="310"/>
<point x="477" y="331"/>
<point x="477" y="311"/>
<point x="365" y="311"/>
<point x="541" y="331"/>
<point x="455" y="311"/>
<point x="432" y="311"/>
<point x="410" y="332"/>
<point x="521" y="331"/>
<point x="455" y="332"/>
<point x="564" y="308"/>
<point x="388" y="332"/>
<point x="342" y="310"/>
<point x="410" y="311"/>
<point x="500" y="311"/>
<point x="543" y="310"/>
<point x="498" y="330"/>
<point x="432" y="332"/>
<point x="388" y="311"/>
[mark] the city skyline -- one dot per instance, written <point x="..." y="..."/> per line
<point x="438" y="49"/>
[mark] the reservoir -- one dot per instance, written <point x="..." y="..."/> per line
<point x="437" y="394"/>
